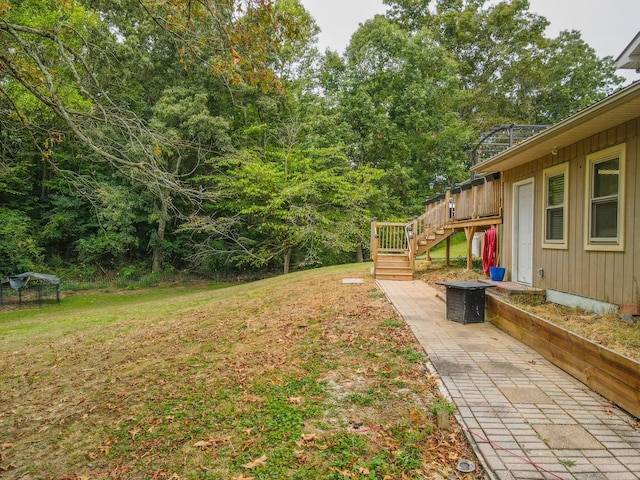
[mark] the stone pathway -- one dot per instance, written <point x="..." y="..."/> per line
<point x="527" y="418"/>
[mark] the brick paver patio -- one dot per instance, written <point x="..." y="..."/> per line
<point x="527" y="418"/>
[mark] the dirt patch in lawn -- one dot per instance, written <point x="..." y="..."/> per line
<point x="606" y="330"/>
<point x="298" y="376"/>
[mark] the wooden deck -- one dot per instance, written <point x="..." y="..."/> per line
<point x="470" y="207"/>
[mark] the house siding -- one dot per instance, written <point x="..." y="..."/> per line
<point x="612" y="277"/>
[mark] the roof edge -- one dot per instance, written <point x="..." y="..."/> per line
<point x="628" y="52"/>
<point x="608" y="103"/>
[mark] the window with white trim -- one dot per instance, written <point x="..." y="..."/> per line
<point x="556" y="188"/>
<point x="604" y="226"/>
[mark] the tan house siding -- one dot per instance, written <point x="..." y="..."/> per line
<point x="607" y="276"/>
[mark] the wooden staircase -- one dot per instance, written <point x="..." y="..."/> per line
<point x="428" y="241"/>
<point x="394" y="267"/>
<point x="475" y="204"/>
<point x="402" y="243"/>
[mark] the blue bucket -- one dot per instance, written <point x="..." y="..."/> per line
<point x="497" y="273"/>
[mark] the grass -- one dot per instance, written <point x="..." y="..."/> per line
<point x="458" y="247"/>
<point x="296" y="377"/>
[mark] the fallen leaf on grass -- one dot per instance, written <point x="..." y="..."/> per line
<point x="241" y="477"/>
<point x="202" y="444"/>
<point x="416" y="416"/>
<point x="258" y="462"/>
<point x="211" y="442"/>
<point x="309" y="437"/>
<point x="5" y="468"/>
<point x="294" y="400"/>
<point x="344" y="473"/>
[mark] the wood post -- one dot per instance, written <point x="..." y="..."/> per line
<point x="447" y="257"/>
<point x="447" y="202"/>
<point x="474" y="193"/>
<point x="373" y="251"/>
<point x="413" y="239"/>
<point x="374" y="244"/>
<point x="469" y="232"/>
<point x="498" y="241"/>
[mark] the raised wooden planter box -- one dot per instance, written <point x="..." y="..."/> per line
<point x="612" y="375"/>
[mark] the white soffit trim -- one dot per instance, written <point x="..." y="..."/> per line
<point x="630" y="57"/>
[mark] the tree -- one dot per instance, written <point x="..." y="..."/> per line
<point x="576" y="78"/>
<point x="288" y="204"/>
<point x="86" y="77"/>
<point x="19" y="251"/>
<point x="510" y="70"/>
<point x="114" y="236"/>
<point x="400" y="94"/>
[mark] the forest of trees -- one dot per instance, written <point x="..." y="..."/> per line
<point x="213" y="136"/>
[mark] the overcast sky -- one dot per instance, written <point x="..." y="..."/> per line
<point x="607" y="25"/>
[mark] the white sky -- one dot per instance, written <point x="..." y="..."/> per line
<point x="607" y="25"/>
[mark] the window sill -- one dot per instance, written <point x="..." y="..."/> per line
<point x="604" y="247"/>
<point x="555" y="246"/>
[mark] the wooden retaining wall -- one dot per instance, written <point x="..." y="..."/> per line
<point x="613" y="376"/>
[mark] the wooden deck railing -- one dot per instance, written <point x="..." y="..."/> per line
<point x="390" y="237"/>
<point x="477" y="199"/>
<point x="477" y="202"/>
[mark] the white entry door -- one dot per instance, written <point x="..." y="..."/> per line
<point x="523" y="232"/>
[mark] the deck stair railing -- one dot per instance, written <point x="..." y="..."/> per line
<point x="471" y="204"/>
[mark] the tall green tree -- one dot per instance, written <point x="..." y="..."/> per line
<point x="511" y="71"/>
<point x="19" y="250"/>
<point x="98" y="80"/>
<point x="288" y="205"/>
<point x="400" y="95"/>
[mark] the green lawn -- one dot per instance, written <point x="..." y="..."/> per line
<point x="298" y="376"/>
<point x="458" y="247"/>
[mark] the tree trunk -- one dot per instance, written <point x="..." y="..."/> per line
<point x="156" y="263"/>
<point x="359" y="254"/>
<point x="158" y="247"/>
<point x="287" y="259"/>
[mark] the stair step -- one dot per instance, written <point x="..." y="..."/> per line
<point x="402" y="270"/>
<point x="394" y="276"/>
<point x="395" y="263"/>
<point x="394" y="268"/>
<point x="394" y="260"/>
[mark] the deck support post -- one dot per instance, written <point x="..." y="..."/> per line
<point x="498" y="242"/>
<point x="373" y="250"/>
<point x="470" y="232"/>
<point x="447" y="254"/>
